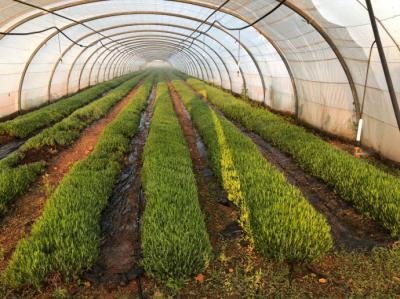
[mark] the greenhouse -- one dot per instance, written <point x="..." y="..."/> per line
<point x="199" y="149"/>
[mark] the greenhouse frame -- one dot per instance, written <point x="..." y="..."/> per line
<point x="301" y="95"/>
<point x="308" y="58"/>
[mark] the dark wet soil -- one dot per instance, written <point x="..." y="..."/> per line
<point x="349" y="229"/>
<point x="11" y="146"/>
<point x="120" y="247"/>
<point x="25" y="210"/>
<point x="232" y="230"/>
<point x="4" y="139"/>
<point x="218" y="210"/>
<point x="45" y="153"/>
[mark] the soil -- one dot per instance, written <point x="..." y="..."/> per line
<point x="350" y="230"/>
<point x="4" y="139"/>
<point x="237" y="271"/>
<point x="27" y="209"/>
<point x="114" y="274"/>
<point x="10" y="146"/>
<point x="116" y="269"/>
<point x="219" y="213"/>
<point x="343" y="143"/>
<point x="120" y="248"/>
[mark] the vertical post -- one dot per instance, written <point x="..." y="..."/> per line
<point x="385" y="67"/>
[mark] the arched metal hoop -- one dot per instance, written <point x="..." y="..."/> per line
<point x="155" y="39"/>
<point x="180" y="36"/>
<point x="145" y="12"/>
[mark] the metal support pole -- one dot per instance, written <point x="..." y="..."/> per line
<point x="385" y="67"/>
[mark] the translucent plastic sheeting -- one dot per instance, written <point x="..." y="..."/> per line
<point x="309" y="57"/>
<point x="326" y="44"/>
<point x="135" y="16"/>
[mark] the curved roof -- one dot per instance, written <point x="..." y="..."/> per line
<point x="309" y="57"/>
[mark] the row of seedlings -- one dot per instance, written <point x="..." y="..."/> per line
<point x="175" y="242"/>
<point x="15" y="178"/>
<point x="66" y="238"/>
<point x="375" y="193"/>
<point x="277" y="219"/>
<point x="27" y="124"/>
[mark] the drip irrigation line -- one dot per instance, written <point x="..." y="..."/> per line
<point x="366" y="77"/>
<point x="199" y="33"/>
<point x="59" y="30"/>
<point x="41" y="31"/>
<point x="361" y="121"/>
<point x="61" y="16"/>
<point x="63" y="34"/>
<point x="201" y="24"/>
<point x="239" y="54"/>
<point x="384" y="63"/>
<point x="230" y="28"/>
<point x="251" y="24"/>
<point x="210" y="15"/>
<point x="383" y="26"/>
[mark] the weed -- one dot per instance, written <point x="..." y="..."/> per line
<point x="60" y="293"/>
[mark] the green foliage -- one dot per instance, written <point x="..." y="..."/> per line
<point x="66" y="238"/>
<point x="275" y="216"/>
<point x="373" y="192"/>
<point x="174" y="237"/>
<point x="68" y="130"/>
<point x="178" y="75"/>
<point x="160" y="75"/>
<point x="24" y="125"/>
<point x="15" y="179"/>
<point x="60" y="293"/>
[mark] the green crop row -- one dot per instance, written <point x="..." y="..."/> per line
<point x="15" y="179"/>
<point x="278" y="221"/>
<point x="174" y="238"/>
<point x="24" y="125"/>
<point x="373" y="192"/>
<point x="66" y="238"/>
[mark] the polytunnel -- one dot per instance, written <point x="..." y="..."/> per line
<point x="320" y="82"/>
